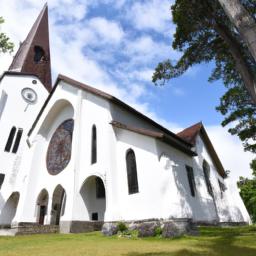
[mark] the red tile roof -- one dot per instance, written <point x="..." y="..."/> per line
<point x="189" y="134"/>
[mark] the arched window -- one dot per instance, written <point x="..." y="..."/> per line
<point x="60" y="148"/>
<point x="38" y="54"/>
<point x="100" y="189"/>
<point x="132" y="172"/>
<point x="206" y="169"/>
<point x="94" y="145"/>
<point x="1" y="179"/>
<point x="17" y="141"/>
<point x="191" y="180"/>
<point x="10" y="140"/>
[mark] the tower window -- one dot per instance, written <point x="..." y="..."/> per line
<point x="17" y="141"/>
<point x="191" y="180"/>
<point x="132" y="172"/>
<point x="10" y="140"/>
<point x="38" y="54"/>
<point x="94" y="145"/>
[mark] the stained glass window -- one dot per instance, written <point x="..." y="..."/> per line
<point x="60" y="146"/>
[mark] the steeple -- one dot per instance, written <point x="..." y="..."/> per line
<point x="33" y="55"/>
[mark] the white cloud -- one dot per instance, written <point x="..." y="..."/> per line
<point x="108" y="31"/>
<point x="230" y="151"/>
<point x="152" y="14"/>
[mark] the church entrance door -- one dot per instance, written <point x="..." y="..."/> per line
<point x="42" y="203"/>
<point x="93" y="195"/>
<point x="58" y="205"/>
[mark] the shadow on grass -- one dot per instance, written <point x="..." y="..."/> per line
<point x="214" y="242"/>
<point x="182" y="252"/>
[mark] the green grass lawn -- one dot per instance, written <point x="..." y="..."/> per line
<point x="212" y="241"/>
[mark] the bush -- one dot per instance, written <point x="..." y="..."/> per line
<point x="121" y="227"/>
<point x="158" y="231"/>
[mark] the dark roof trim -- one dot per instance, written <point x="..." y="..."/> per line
<point x="213" y="153"/>
<point x="15" y="73"/>
<point x="142" y="131"/>
<point x="111" y="98"/>
<point x="120" y="103"/>
<point x="157" y="135"/>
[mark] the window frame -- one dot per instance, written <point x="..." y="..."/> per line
<point x="10" y="139"/>
<point x="94" y="145"/>
<point x="132" y="174"/>
<point x="191" y="180"/>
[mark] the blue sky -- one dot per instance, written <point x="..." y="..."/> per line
<point x="115" y="45"/>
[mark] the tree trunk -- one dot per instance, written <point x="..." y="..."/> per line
<point x="243" y="21"/>
<point x="241" y="65"/>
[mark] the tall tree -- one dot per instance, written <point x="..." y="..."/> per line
<point x="5" y="44"/>
<point x="243" y="21"/>
<point x="205" y="33"/>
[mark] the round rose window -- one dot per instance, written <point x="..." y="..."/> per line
<point x="60" y="146"/>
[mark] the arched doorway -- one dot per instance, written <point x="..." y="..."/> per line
<point x="94" y="197"/>
<point x="58" y="204"/>
<point x="42" y="204"/>
<point x="9" y="210"/>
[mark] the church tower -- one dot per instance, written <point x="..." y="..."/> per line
<point x="33" y="56"/>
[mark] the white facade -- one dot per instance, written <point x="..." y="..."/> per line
<point x="163" y="185"/>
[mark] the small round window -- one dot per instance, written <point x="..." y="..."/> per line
<point x="29" y="95"/>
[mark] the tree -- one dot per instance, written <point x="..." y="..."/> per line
<point x="5" y="44"/>
<point x="204" y="33"/>
<point x="243" y="21"/>
<point x="248" y="194"/>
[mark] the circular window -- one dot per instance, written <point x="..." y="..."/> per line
<point x="60" y="146"/>
<point x="29" y="95"/>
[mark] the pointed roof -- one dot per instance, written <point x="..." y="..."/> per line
<point x="33" y="55"/>
<point x="189" y="134"/>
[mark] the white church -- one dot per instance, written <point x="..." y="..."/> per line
<point x="74" y="157"/>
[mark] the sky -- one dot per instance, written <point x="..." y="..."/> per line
<point x="114" y="45"/>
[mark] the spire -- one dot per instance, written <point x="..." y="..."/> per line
<point x="33" y="55"/>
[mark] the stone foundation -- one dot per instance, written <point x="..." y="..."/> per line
<point x="85" y="226"/>
<point x="146" y="228"/>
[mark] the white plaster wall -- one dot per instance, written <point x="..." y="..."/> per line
<point x="225" y="205"/>
<point x="95" y="111"/>
<point x="17" y="112"/>
<point x="38" y="178"/>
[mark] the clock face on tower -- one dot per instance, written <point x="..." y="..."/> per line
<point x="60" y="147"/>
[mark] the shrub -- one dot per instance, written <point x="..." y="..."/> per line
<point x="121" y="227"/>
<point x="158" y="231"/>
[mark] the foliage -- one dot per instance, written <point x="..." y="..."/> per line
<point x="212" y="241"/>
<point x="121" y="226"/>
<point x="248" y="193"/>
<point x="5" y="44"/>
<point x="205" y="34"/>
<point x="158" y="231"/>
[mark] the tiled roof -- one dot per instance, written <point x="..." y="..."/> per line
<point x="189" y="134"/>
